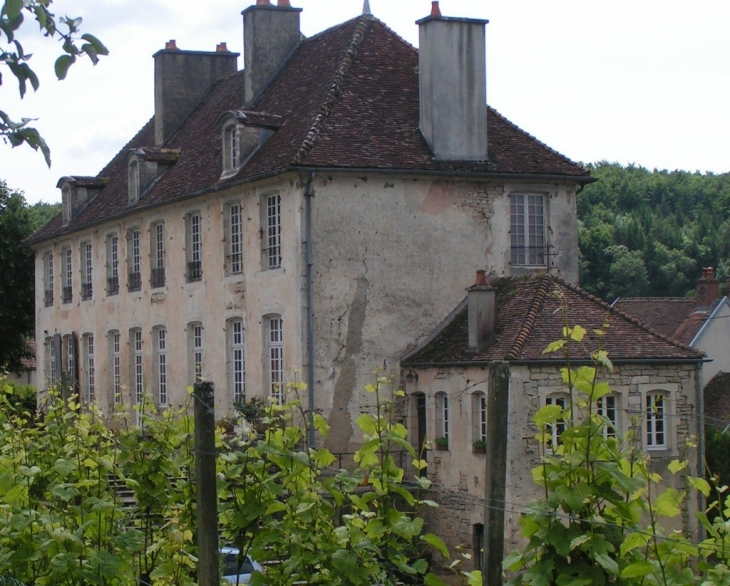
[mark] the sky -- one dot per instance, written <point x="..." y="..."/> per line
<point x="644" y="82"/>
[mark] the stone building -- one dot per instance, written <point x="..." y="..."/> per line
<point x="655" y="393"/>
<point x="318" y="210"/>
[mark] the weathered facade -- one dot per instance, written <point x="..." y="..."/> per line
<point x="654" y="394"/>
<point x="295" y="218"/>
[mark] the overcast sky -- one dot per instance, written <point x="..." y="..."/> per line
<point x="634" y="81"/>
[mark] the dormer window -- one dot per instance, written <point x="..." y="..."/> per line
<point x="133" y="180"/>
<point x="231" y="147"/>
<point x="66" y="204"/>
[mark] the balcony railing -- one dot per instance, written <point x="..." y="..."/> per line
<point x="158" y="277"/>
<point x="86" y="291"/>
<point x="67" y="295"/>
<point x="112" y="286"/>
<point x="48" y="298"/>
<point x="195" y="271"/>
<point x="135" y="282"/>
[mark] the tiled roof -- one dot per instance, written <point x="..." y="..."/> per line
<point x="530" y="314"/>
<point x="347" y="98"/>
<point x="717" y="401"/>
<point x="674" y="317"/>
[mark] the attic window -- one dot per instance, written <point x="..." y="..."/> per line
<point x="231" y="147"/>
<point x="133" y="179"/>
<point x="66" y="204"/>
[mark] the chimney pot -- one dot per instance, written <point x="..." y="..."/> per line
<point x="221" y="48"/>
<point x="263" y="3"/>
<point x="284" y="3"/>
<point x="481" y="311"/>
<point x="435" y="9"/>
<point x="708" y="288"/>
<point x="481" y="278"/>
<point x="710" y="272"/>
<point x="171" y="45"/>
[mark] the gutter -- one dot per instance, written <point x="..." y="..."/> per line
<point x="583" y="180"/>
<point x="308" y="195"/>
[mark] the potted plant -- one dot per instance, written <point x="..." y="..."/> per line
<point x="253" y="411"/>
<point x="479" y="447"/>
<point x="442" y="443"/>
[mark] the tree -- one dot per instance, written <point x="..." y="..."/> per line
<point x="16" y="279"/>
<point x="65" y="29"/>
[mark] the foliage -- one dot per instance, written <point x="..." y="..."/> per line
<point x="442" y="441"/>
<point x="12" y="55"/>
<point x="601" y="520"/>
<point x="717" y="448"/>
<point x="252" y="410"/>
<point x="17" y="399"/>
<point x="649" y="233"/>
<point x="479" y="444"/>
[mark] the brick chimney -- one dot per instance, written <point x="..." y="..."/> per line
<point x="270" y="35"/>
<point x="482" y="311"/>
<point x="453" y="86"/>
<point x="708" y="288"/>
<point x="182" y="78"/>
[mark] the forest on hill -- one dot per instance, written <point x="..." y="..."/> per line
<point x="650" y="233"/>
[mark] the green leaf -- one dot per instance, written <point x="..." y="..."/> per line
<point x="435" y="541"/>
<point x="608" y="564"/>
<point x="634" y="540"/>
<point x="62" y="65"/>
<point x="433" y="580"/>
<point x="98" y="45"/>
<point x="700" y="484"/>
<point x="12" y="8"/>
<point x="637" y="569"/>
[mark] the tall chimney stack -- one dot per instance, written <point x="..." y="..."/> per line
<point x="182" y="78"/>
<point x="708" y="288"/>
<point x="453" y="86"/>
<point x="270" y="35"/>
<point x="482" y="311"/>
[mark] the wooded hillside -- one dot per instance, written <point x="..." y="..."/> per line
<point x="650" y="233"/>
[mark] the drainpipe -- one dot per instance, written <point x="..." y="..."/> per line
<point x="308" y="195"/>
<point x="700" y="402"/>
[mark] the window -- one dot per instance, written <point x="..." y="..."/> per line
<point x="607" y="408"/>
<point x="51" y="373"/>
<point x="68" y="352"/>
<point x="559" y="426"/>
<point x="157" y="237"/>
<point x="479" y="416"/>
<point x="135" y="337"/>
<point x="231" y="150"/>
<point x="442" y="416"/>
<point x="656" y="420"/>
<point x="271" y="231"/>
<point x="275" y="356"/>
<point x="134" y="261"/>
<point x="65" y="205"/>
<point x="194" y="247"/>
<point x="133" y="181"/>
<point x="195" y="351"/>
<point x="234" y="250"/>
<point x="112" y="264"/>
<point x="527" y="230"/>
<point x="67" y="255"/>
<point x="48" y="279"/>
<point x="160" y="337"/>
<point x="115" y="354"/>
<point x="86" y="270"/>
<point x="89" y="368"/>
<point x="236" y="360"/>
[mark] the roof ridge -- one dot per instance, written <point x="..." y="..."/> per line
<point x="537" y="140"/>
<point x="335" y="90"/>
<point x="629" y="318"/>
<point x="526" y="329"/>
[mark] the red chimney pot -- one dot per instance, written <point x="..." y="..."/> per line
<point x="481" y="278"/>
<point x="221" y="48"/>
<point x="284" y="3"/>
<point x="171" y="45"/>
<point x="263" y="3"/>
<point x="435" y="10"/>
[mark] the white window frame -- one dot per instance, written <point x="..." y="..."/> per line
<point x="87" y="270"/>
<point x="160" y="339"/>
<point x="157" y="254"/>
<point x="136" y="343"/>
<point x="112" y="264"/>
<point x="48" y="279"/>
<point x="196" y="354"/>
<point x="89" y="369"/>
<point x="443" y="421"/>
<point x="479" y="416"/>
<point x="231" y="147"/>
<point x="134" y="259"/>
<point x="51" y="374"/>
<point x="609" y="408"/>
<point x="133" y="181"/>
<point x="234" y="238"/>
<point x="68" y="351"/>
<point x="194" y="247"/>
<point x="271" y="231"/>
<point x="68" y="276"/>
<point x="556" y="429"/>
<point x="528" y="230"/>
<point x="654" y="424"/>
<point x="236" y="359"/>
<point x="65" y="205"/>
<point x="274" y="358"/>
<point x="115" y="370"/>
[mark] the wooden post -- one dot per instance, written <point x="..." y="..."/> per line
<point x="205" y="480"/>
<point x="496" y="473"/>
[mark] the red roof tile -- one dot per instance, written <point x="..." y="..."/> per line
<point x="347" y="98"/>
<point x="530" y="314"/>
